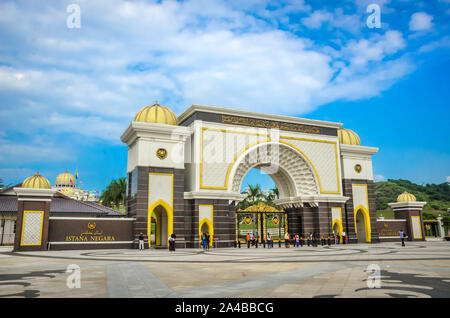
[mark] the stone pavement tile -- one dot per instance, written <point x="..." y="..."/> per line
<point x="53" y="283"/>
<point x="182" y="276"/>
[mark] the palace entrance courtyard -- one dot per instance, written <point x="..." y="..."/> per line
<point x="421" y="269"/>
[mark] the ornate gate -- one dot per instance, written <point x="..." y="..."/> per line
<point x="261" y="219"/>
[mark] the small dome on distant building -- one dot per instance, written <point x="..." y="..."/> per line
<point x="65" y="178"/>
<point x="37" y="182"/>
<point x="406" y="197"/>
<point x="348" y="137"/>
<point x="157" y="114"/>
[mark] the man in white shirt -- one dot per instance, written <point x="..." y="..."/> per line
<point x="402" y="236"/>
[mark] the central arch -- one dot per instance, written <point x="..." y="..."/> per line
<point x="290" y="170"/>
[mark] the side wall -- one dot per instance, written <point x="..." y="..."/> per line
<point x="90" y="233"/>
<point x="349" y="212"/>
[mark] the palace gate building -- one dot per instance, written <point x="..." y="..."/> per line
<point x="185" y="173"/>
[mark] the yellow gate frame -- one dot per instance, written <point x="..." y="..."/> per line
<point x="169" y="212"/>
<point x="210" y="224"/>
<point x="366" y="216"/>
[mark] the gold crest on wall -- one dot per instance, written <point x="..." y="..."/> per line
<point x="161" y="153"/>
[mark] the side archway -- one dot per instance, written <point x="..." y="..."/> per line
<point x="337" y="228"/>
<point x="362" y="225"/>
<point x="204" y="226"/>
<point x="164" y="222"/>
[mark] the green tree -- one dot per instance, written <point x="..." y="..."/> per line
<point x="115" y="194"/>
<point x="256" y="195"/>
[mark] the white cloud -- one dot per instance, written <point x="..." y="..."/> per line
<point x="442" y="43"/>
<point x="91" y="81"/>
<point x="379" y="177"/>
<point x="34" y="151"/>
<point x="420" y="21"/>
<point x="316" y="19"/>
<point x="448" y="179"/>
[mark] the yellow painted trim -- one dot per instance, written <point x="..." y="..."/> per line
<point x="365" y="211"/>
<point x="286" y="227"/>
<point x="167" y="206"/>
<point x="262" y="141"/>
<point x="157" y="236"/>
<point x="23" y="226"/>
<point x="209" y="222"/>
<point x="366" y="216"/>
<point x="340" y="227"/>
<point x="231" y="164"/>
<point x="367" y="193"/>
<point x="420" y="227"/>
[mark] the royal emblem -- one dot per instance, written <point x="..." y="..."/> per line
<point x="161" y="153"/>
<point x="275" y="220"/>
<point x="91" y="226"/>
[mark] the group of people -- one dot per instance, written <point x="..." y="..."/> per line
<point x="251" y="239"/>
<point x="296" y="240"/>
<point x="205" y="240"/>
<point x="171" y="241"/>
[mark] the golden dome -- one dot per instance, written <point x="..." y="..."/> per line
<point x="66" y="191"/>
<point x="156" y="114"/>
<point x="37" y="182"/>
<point x="348" y="137"/>
<point x="65" y="178"/>
<point x="406" y="197"/>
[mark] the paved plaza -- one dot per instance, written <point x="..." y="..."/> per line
<point x="421" y="269"/>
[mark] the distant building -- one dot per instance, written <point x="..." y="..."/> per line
<point x="71" y="205"/>
<point x="67" y="185"/>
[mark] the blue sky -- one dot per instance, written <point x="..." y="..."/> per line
<point x="67" y="94"/>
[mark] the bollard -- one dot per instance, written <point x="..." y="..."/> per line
<point x="264" y="244"/>
<point x="256" y="244"/>
<point x="235" y="244"/>
<point x="279" y="243"/>
<point x="239" y="244"/>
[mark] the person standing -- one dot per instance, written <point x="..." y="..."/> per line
<point x="269" y="240"/>
<point x="171" y="243"/>
<point x="297" y="240"/>
<point x="174" y="239"/>
<point x="344" y="236"/>
<point x="301" y="241"/>
<point x="208" y="239"/>
<point x="141" y="241"/>
<point x="402" y="236"/>
<point x="204" y="240"/>
<point x="286" y="239"/>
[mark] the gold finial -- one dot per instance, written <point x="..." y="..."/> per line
<point x="156" y="101"/>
